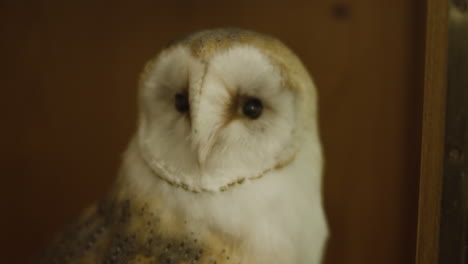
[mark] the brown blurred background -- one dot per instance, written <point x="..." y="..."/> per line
<point x="68" y="81"/>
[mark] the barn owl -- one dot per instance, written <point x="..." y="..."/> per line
<point x="225" y="165"/>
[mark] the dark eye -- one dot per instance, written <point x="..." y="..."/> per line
<point x="252" y="108"/>
<point x="181" y="103"/>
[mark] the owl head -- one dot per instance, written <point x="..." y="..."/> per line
<point x="223" y="106"/>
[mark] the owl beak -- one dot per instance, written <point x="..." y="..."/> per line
<point x="205" y="119"/>
<point x="201" y="157"/>
<point x="204" y="134"/>
<point x="204" y="147"/>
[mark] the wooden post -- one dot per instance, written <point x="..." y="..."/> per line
<point x="433" y="129"/>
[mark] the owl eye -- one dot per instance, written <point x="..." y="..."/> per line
<point x="252" y="108"/>
<point x="181" y="103"/>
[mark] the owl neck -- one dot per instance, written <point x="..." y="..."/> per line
<point x="242" y="212"/>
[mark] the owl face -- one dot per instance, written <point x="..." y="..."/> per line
<point x="218" y="109"/>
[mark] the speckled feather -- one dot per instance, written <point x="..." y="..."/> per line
<point x="122" y="230"/>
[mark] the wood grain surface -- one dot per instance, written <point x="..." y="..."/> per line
<point x="433" y="128"/>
